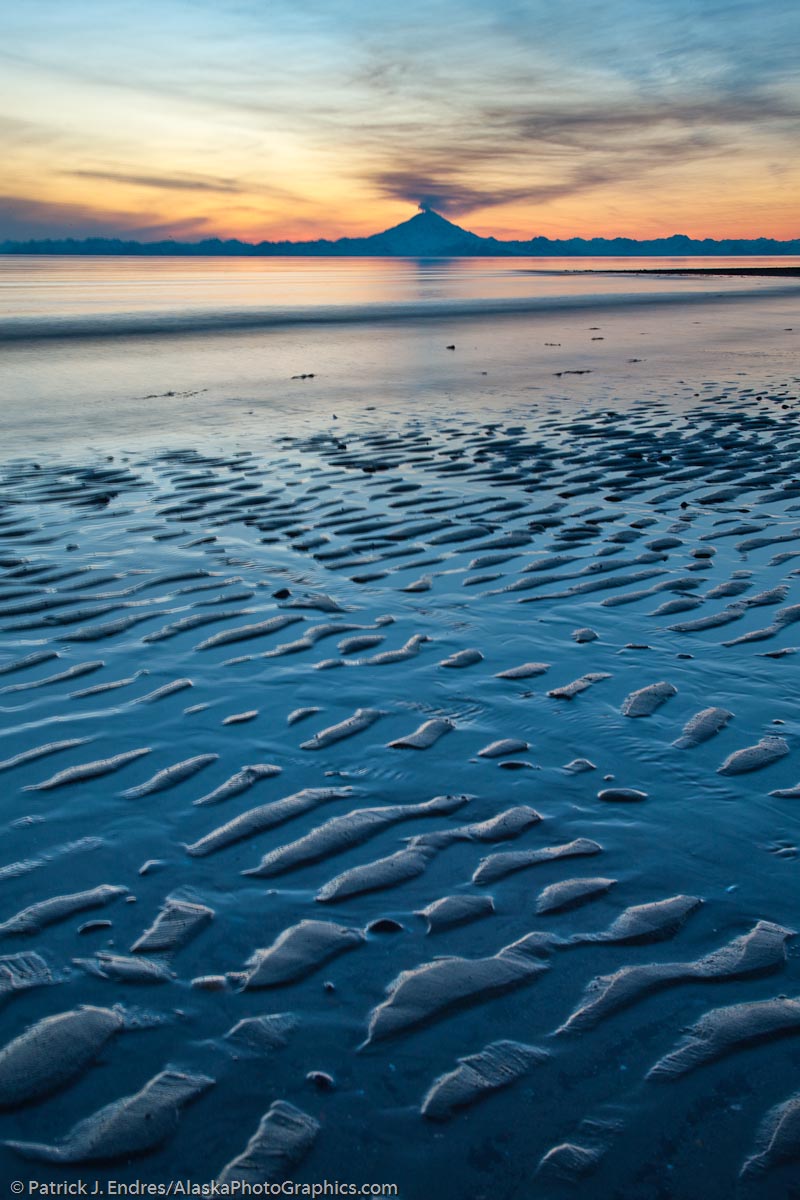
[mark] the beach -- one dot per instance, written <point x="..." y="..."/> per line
<point x="399" y="703"/>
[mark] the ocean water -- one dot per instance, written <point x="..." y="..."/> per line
<point x="72" y="296"/>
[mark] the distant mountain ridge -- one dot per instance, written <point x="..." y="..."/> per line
<point x="425" y="235"/>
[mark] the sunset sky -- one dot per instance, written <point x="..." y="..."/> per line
<point x="309" y="118"/>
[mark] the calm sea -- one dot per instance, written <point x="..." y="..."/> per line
<point x="70" y="296"/>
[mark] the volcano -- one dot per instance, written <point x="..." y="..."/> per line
<point x="425" y="235"/>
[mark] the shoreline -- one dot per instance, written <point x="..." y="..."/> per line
<point x="238" y="386"/>
<point x="22" y="330"/>
<point x="790" y="272"/>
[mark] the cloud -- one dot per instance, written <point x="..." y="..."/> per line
<point x="188" y="183"/>
<point x="585" y="126"/>
<point x="534" y="154"/>
<point x="23" y="217"/>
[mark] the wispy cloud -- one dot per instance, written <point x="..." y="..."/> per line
<point x="538" y="154"/>
<point x="167" y="183"/>
<point x="23" y="218"/>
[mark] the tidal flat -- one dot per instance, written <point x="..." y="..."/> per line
<point x="410" y="794"/>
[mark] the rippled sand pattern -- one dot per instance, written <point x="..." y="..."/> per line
<point x="412" y="804"/>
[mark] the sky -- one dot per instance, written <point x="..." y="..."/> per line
<point x="271" y="119"/>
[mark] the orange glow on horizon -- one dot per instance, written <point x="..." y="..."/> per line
<point x="126" y="215"/>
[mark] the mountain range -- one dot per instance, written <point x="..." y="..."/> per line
<point x="425" y="235"/>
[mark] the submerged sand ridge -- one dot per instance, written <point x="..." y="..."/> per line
<point x="538" y="803"/>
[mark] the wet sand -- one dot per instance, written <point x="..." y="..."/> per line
<point x="414" y="795"/>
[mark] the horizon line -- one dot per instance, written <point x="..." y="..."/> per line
<point x="475" y="241"/>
